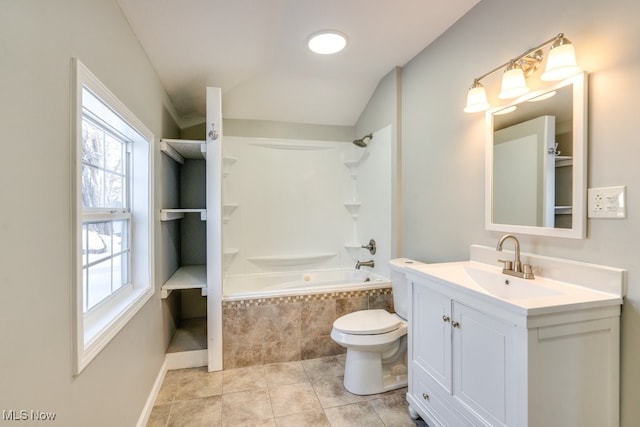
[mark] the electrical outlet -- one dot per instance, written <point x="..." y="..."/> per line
<point x="607" y="202"/>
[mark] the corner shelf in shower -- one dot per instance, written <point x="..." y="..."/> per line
<point x="287" y="260"/>
<point x="352" y="165"/>
<point x="228" y="255"/>
<point x="173" y="214"/>
<point x="353" y="208"/>
<point x="227" y="210"/>
<point x="227" y="162"/>
<point x="186" y="277"/>
<point x="181" y="149"/>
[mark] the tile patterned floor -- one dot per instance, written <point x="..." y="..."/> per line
<point x="296" y="394"/>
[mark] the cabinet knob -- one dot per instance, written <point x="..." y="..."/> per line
<point x="425" y="396"/>
<point x="446" y="318"/>
<point x="455" y="324"/>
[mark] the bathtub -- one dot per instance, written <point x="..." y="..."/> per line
<point x="274" y="318"/>
<point x="250" y="286"/>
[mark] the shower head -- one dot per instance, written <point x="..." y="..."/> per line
<point x="364" y="141"/>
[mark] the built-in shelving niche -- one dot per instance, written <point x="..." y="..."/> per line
<point x="189" y="344"/>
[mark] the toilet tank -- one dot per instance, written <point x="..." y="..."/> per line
<point x="397" y="269"/>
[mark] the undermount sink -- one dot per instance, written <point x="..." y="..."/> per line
<point x="508" y="287"/>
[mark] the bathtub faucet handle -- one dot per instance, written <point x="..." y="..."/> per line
<point x="371" y="246"/>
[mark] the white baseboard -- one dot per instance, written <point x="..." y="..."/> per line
<point x="153" y="395"/>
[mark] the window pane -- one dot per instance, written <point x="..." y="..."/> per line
<point x="92" y="187"/>
<point x="119" y="271"/>
<point x="85" y="292"/>
<point x="92" y="144"/>
<point x="114" y="191"/>
<point x="120" y="236"/>
<point x="99" y="282"/>
<point x="114" y="154"/>
<point x="85" y="244"/>
<point x="98" y="241"/>
<point x="104" y="168"/>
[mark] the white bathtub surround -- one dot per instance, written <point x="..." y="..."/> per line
<point x="303" y="204"/>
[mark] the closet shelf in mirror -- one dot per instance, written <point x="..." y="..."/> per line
<point x="173" y="214"/>
<point x="562" y="161"/>
<point x="181" y="149"/>
<point x="186" y="277"/>
<point x="563" y="210"/>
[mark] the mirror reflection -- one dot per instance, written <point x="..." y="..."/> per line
<point x="535" y="163"/>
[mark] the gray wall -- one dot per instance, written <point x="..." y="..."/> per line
<point x="443" y="148"/>
<point x="38" y="39"/>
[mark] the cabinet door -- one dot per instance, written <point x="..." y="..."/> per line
<point x="483" y="363"/>
<point x="431" y="333"/>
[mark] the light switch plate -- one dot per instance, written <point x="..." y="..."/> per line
<point x="607" y="202"/>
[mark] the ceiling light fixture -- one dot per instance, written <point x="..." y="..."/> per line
<point x="561" y="64"/>
<point x="327" y="42"/>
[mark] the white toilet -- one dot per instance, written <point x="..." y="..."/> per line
<point x="376" y="341"/>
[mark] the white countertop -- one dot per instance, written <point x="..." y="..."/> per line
<point x="550" y="296"/>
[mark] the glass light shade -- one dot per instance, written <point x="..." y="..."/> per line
<point x="513" y="83"/>
<point x="476" y="99"/>
<point x="561" y="61"/>
<point x="327" y="42"/>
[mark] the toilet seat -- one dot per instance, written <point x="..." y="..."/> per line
<point x="367" y="322"/>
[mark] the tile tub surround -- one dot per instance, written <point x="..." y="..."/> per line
<point x="284" y="329"/>
<point x="301" y="393"/>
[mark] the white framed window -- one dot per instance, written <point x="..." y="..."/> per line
<point x="112" y="186"/>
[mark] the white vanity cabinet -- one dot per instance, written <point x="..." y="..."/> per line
<point x="476" y="363"/>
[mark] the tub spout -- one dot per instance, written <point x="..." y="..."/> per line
<point x="365" y="264"/>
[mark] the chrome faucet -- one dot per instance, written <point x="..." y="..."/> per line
<point x="365" y="264"/>
<point x="515" y="267"/>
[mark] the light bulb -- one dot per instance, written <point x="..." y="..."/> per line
<point x="561" y="61"/>
<point x="513" y="83"/>
<point x="476" y="99"/>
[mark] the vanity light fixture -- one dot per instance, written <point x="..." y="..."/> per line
<point x="561" y="64"/>
<point x="327" y="42"/>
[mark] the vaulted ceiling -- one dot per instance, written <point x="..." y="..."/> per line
<point x="255" y="50"/>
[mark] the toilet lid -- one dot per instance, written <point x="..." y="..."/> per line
<point x="367" y="322"/>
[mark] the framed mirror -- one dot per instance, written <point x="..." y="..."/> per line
<point x="536" y="162"/>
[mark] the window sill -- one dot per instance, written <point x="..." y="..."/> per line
<point x="104" y="322"/>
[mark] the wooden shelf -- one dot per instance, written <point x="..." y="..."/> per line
<point x="181" y="149"/>
<point x="186" y="277"/>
